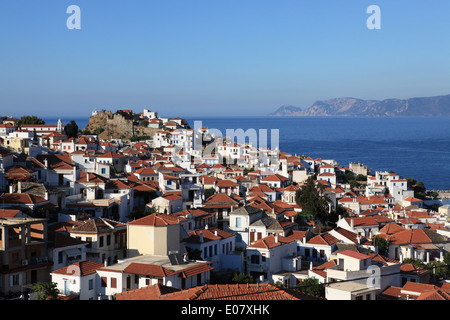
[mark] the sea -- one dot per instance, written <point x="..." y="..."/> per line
<point x="416" y="147"/>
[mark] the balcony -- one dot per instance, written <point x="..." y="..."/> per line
<point x="78" y="200"/>
<point x="35" y="261"/>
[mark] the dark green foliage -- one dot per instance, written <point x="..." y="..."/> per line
<point x="312" y="287"/>
<point x="242" y="278"/>
<point x="29" y="120"/>
<point x="98" y="130"/>
<point x="209" y="192"/>
<point x="46" y="291"/>
<point x="314" y="205"/>
<point x="71" y="129"/>
<point x="139" y="138"/>
<point x="415" y="262"/>
<point x="381" y="243"/>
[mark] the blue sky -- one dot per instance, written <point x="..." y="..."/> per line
<point x="211" y="57"/>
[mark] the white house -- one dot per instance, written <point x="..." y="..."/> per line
<point x="357" y="277"/>
<point x="271" y="255"/>
<point x="216" y="246"/>
<point x="240" y="220"/>
<point x="167" y="204"/>
<point x="144" y="270"/>
<point x="80" y="279"/>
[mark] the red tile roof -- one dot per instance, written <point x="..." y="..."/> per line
<point x="323" y="239"/>
<point x="21" y="198"/>
<point x="81" y="268"/>
<point x="155" y="220"/>
<point x="270" y="242"/>
<point x="262" y="291"/>
<point x="354" y="254"/>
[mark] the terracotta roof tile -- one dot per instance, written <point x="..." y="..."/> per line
<point x="262" y="291"/>
<point x="81" y="268"/>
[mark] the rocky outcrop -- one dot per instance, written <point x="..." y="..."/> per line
<point x="108" y="125"/>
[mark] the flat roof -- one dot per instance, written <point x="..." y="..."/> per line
<point x="152" y="260"/>
<point x="352" y="286"/>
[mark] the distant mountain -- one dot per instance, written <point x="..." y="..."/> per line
<point x="413" y="107"/>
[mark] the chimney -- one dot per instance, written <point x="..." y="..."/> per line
<point x="276" y="238"/>
<point x="201" y="236"/>
<point x="19" y="186"/>
<point x="11" y="188"/>
<point x="352" y="224"/>
<point x="216" y="233"/>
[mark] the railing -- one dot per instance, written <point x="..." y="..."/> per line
<point x="35" y="261"/>
<point x="96" y="202"/>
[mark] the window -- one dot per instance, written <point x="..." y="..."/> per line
<point x="254" y="259"/>
<point x="104" y="281"/>
<point x="60" y="257"/>
<point x="89" y="240"/>
<point x="15" y="280"/>
<point x="91" y="284"/>
<point x="101" y="241"/>
<point x="113" y="283"/>
<point x="108" y="240"/>
<point x="238" y="222"/>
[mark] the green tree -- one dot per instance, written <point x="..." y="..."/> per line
<point x="35" y="136"/>
<point x="381" y="243"/>
<point x="447" y="261"/>
<point x="29" y="120"/>
<point x="438" y="269"/>
<point x="98" y="130"/>
<point x="242" y="278"/>
<point x="312" y="287"/>
<point x="415" y="262"/>
<point x="194" y="254"/>
<point x="314" y="205"/>
<point x="71" y="129"/>
<point x="335" y="214"/>
<point x="46" y="291"/>
<point x="209" y="192"/>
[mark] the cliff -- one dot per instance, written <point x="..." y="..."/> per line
<point x="413" y="107"/>
<point x="116" y="126"/>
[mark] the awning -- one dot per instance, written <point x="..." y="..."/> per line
<point x="73" y="252"/>
<point x="426" y="246"/>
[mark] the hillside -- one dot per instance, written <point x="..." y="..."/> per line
<point x="116" y="126"/>
<point x="413" y="107"/>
